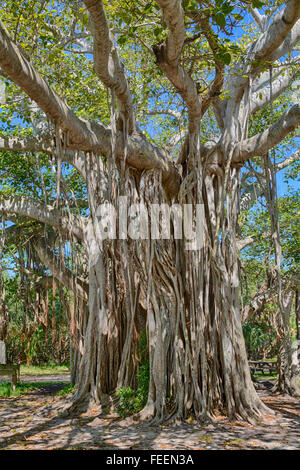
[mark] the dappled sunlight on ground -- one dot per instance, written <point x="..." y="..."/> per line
<point x="34" y="421"/>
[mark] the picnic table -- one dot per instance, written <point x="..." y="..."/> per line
<point x="263" y="366"/>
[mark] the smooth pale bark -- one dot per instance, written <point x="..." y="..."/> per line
<point x="264" y="295"/>
<point x="263" y="97"/>
<point x="289" y="44"/>
<point x="28" y="144"/>
<point x="259" y="144"/>
<point x="167" y="56"/>
<point x="107" y="63"/>
<point x="82" y="135"/>
<point x="27" y="207"/>
<point x="197" y="356"/>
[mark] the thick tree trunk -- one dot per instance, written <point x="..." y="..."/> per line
<point x="197" y="356"/>
<point x="198" y="361"/>
<point x="297" y="313"/>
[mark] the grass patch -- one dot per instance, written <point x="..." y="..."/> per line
<point x="45" y="370"/>
<point x="260" y="376"/>
<point x="235" y="442"/>
<point x="21" y="388"/>
<point x="205" y="438"/>
<point x="67" y="390"/>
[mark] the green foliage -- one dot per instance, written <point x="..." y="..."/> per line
<point x="257" y="221"/>
<point x="132" y="401"/>
<point x="260" y="338"/>
<point x="28" y="340"/>
<point x="266" y="376"/>
<point x="67" y="390"/>
<point x="129" y="402"/>
<point x="47" y="369"/>
<point x="21" y="388"/>
<point x="36" y="27"/>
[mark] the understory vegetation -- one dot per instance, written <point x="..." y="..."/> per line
<point x="149" y="201"/>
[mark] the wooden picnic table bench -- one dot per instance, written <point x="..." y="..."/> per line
<point x="263" y="366"/>
<point x="13" y="370"/>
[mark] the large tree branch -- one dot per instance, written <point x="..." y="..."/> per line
<point x="167" y="56"/>
<point x="174" y="17"/>
<point x="27" y="207"/>
<point x="107" y="64"/>
<point x="263" y="97"/>
<point x="277" y="31"/>
<point x="291" y="40"/>
<point x="83" y="135"/>
<point x="141" y="154"/>
<point x="266" y="48"/>
<point x="264" y="295"/>
<point x="22" y="72"/>
<point x="259" y="144"/>
<point x="43" y="144"/>
<point x="288" y="161"/>
<point x="27" y="144"/>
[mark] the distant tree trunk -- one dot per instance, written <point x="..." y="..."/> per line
<point x="288" y="367"/>
<point x="295" y="368"/>
<point x="297" y="313"/>
<point x="4" y="317"/>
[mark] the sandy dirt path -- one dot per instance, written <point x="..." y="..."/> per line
<point x="34" y="421"/>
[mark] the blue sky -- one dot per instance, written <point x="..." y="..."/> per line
<point x="238" y="31"/>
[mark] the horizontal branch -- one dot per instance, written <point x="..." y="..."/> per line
<point x="171" y="112"/>
<point x="27" y="207"/>
<point x="241" y="244"/>
<point x="141" y="154"/>
<point x="288" y="161"/>
<point x="26" y="144"/>
<point x="264" y="97"/>
<point x="260" y="144"/>
<point x="45" y="144"/>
